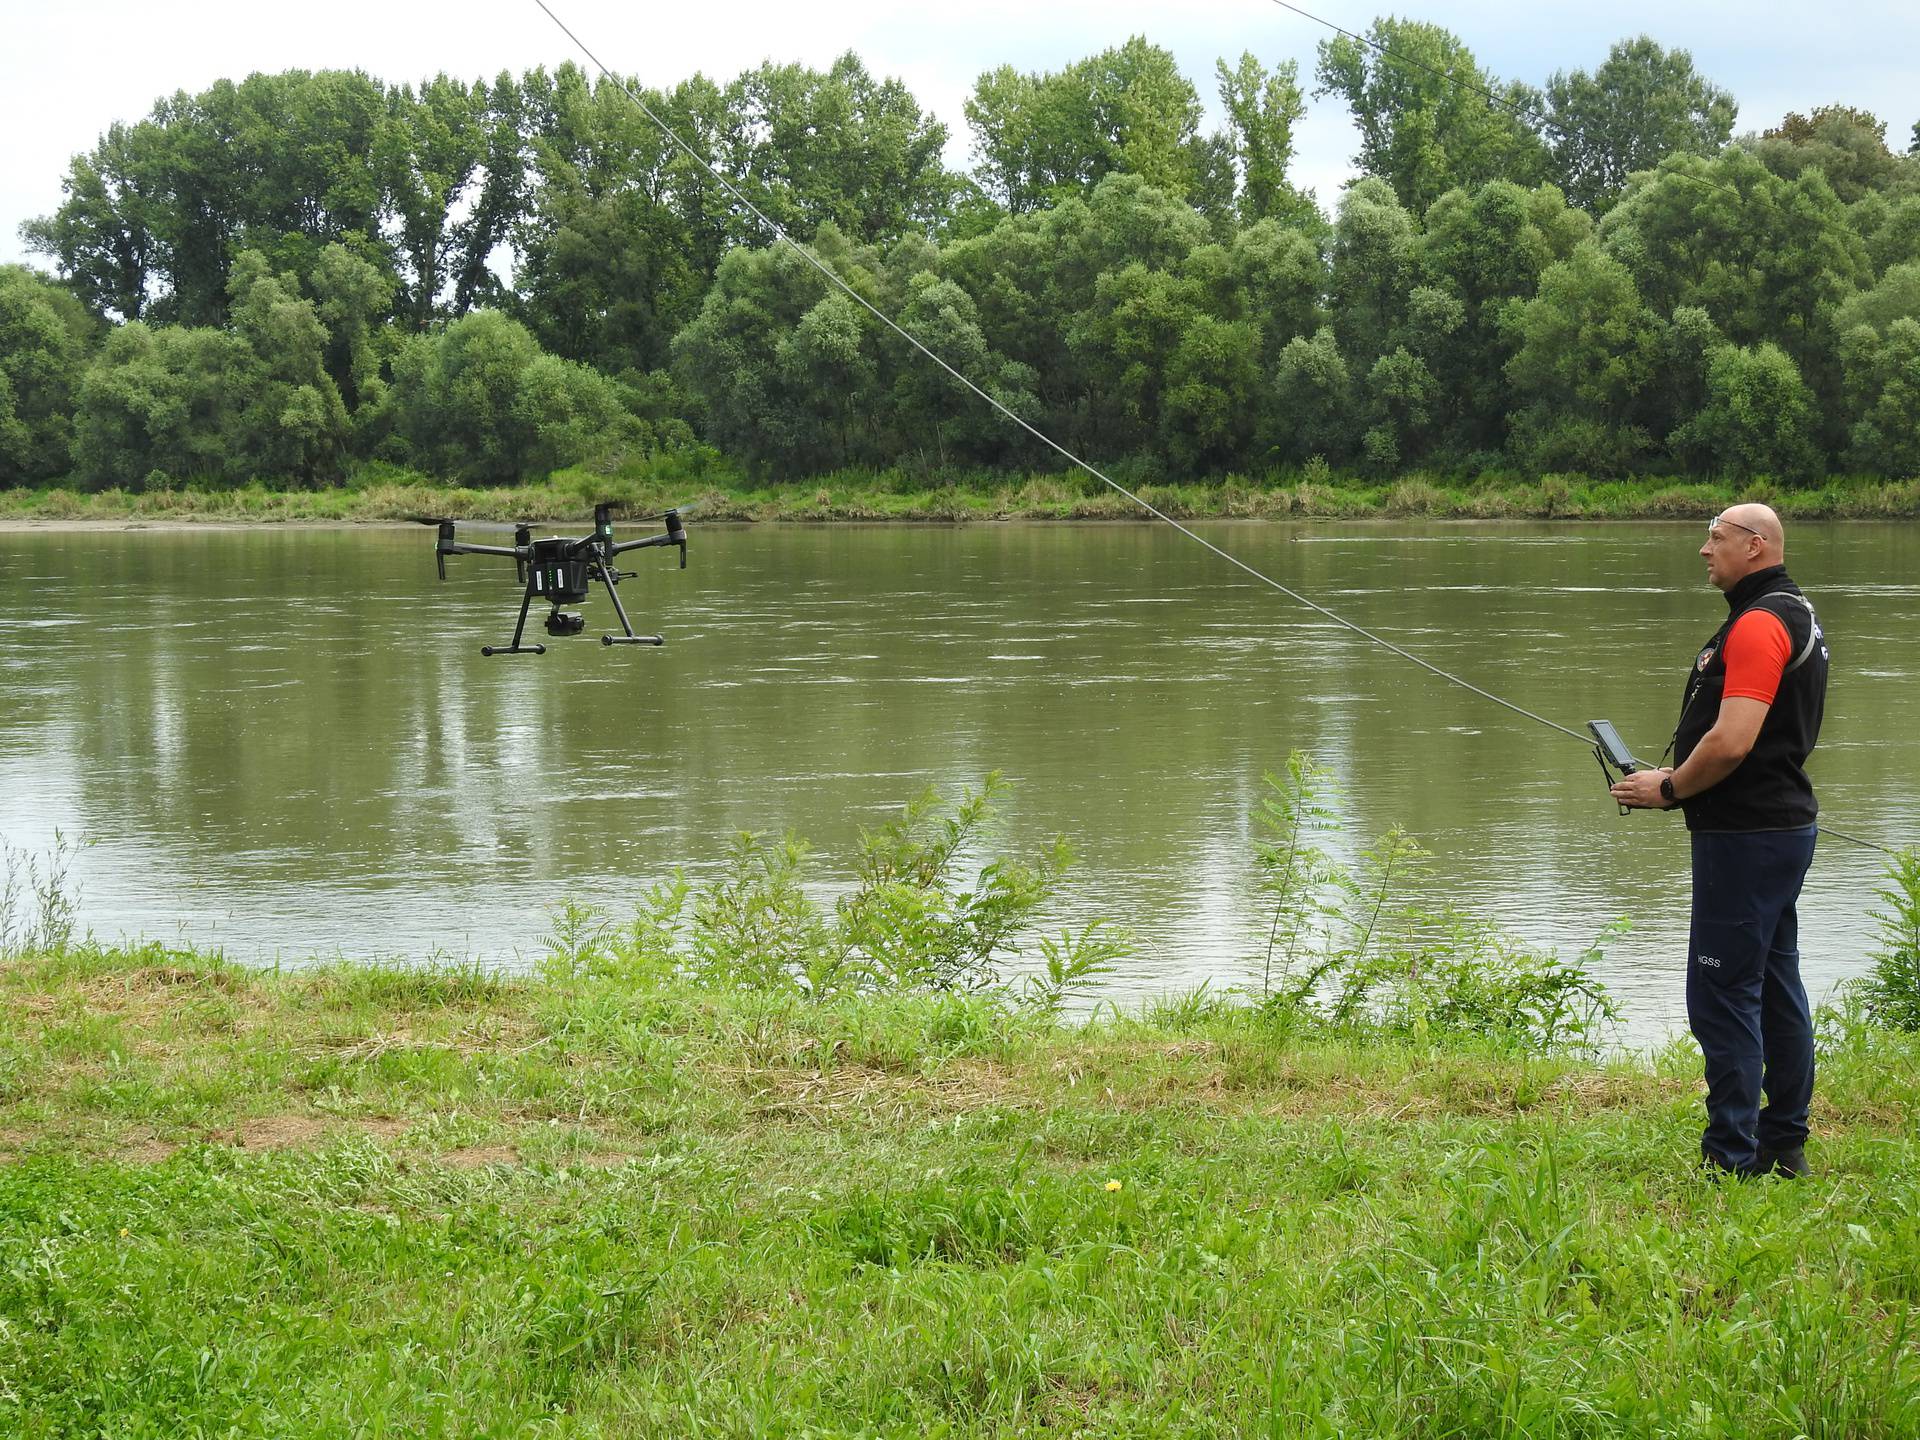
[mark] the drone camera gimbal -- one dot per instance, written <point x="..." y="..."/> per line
<point x="561" y="570"/>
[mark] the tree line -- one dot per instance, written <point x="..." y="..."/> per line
<point x="291" y="275"/>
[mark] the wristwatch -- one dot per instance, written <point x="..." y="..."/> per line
<point x="1666" y="790"/>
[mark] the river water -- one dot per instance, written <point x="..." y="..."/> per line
<point x="285" y="743"/>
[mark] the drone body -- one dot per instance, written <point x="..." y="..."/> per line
<point x="561" y="570"/>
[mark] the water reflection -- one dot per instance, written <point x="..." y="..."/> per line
<point x="286" y="742"/>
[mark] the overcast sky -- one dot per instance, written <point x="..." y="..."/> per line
<point x="67" y="70"/>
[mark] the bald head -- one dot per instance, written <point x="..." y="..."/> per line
<point x="1740" y="540"/>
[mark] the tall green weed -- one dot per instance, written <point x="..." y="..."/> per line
<point x="1891" y="994"/>
<point x="39" y="899"/>
<point x="920" y="917"/>
<point x="1355" y="945"/>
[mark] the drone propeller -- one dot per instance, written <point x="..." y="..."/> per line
<point x="686" y="509"/>
<point x="471" y="524"/>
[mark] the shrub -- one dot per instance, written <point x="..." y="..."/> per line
<point x="1891" y="995"/>
<point x="914" y="921"/>
<point x="1349" y="947"/>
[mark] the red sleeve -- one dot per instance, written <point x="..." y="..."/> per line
<point x="1757" y="651"/>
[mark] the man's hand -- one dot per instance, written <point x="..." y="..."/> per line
<point x="1641" y="790"/>
<point x="1717" y="756"/>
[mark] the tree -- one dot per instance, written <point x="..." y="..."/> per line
<point x="480" y="402"/>
<point x="1846" y="145"/>
<point x="1026" y="284"/>
<point x="155" y="214"/>
<point x="840" y="147"/>
<point x="173" y="403"/>
<point x="1421" y="103"/>
<point x="1038" y="137"/>
<point x="159" y="406"/>
<point x="1769" y="259"/>
<point x="1759" y="418"/>
<point x="1124" y="341"/>
<point x="1376" y="261"/>
<point x="1487" y="250"/>
<point x="1400" y="392"/>
<point x="423" y="184"/>
<point x="1586" y="350"/>
<point x="1274" y="279"/>
<point x="1311" y="411"/>
<point x="612" y="263"/>
<point x="102" y="237"/>
<point x="931" y="404"/>
<point x="44" y="339"/>
<point x="1883" y="397"/>
<point x="1263" y="107"/>
<point x="292" y="424"/>
<point x="351" y="297"/>
<point x="428" y="149"/>
<point x="1212" y="384"/>
<point x="730" y="359"/>
<point x="1643" y="104"/>
<point x="1879" y="347"/>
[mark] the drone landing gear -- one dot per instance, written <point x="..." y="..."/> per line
<point x="610" y="579"/>
<point x="516" y="648"/>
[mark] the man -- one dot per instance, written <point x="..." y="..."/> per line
<point x="1748" y="721"/>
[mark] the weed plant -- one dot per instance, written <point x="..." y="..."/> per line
<point x="1891" y="994"/>
<point x="39" y="901"/>
<point x="1355" y="947"/>
<point x="918" y="918"/>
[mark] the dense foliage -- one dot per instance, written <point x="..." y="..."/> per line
<point x="290" y="275"/>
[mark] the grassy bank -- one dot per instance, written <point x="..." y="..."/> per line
<point x="387" y="494"/>
<point x="378" y="1201"/>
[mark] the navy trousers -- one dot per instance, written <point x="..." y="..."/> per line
<point x="1745" y="1001"/>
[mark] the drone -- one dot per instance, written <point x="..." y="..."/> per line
<point x="560" y="570"/>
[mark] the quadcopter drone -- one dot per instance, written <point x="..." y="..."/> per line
<point x="560" y="570"/>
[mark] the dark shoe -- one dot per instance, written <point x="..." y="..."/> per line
<point x="1789" y="1163"/>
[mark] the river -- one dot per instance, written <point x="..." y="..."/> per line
<point x="284" y="741"/>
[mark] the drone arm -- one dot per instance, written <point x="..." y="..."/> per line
<point x="461" y="547"/>
<point x="622" y="546"/>
<point x="676" y="535"/>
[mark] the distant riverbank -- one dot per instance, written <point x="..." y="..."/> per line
<point x="388" y="495"/>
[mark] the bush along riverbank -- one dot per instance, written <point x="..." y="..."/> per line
<point x="745" y="1164"/>
<point x="382" y="493"/>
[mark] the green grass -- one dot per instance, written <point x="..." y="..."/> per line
<point x="385" y="493"/>
<point x="388" y="1201"/>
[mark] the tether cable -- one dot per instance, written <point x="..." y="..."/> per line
<point x="834" y="279"/>
<point x="887" y="320"/>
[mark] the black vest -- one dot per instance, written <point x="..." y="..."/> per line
<point x="1769" y="790"/>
